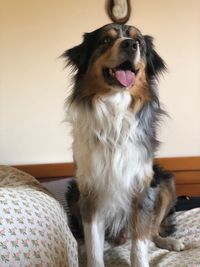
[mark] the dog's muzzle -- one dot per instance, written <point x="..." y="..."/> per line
<point x="123" y="74"/>
<point x="129" y="46"/>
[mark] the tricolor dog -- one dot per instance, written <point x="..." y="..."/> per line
<point x="114" y="111"/>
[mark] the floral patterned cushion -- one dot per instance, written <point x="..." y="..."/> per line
<point x="33" y="225"/>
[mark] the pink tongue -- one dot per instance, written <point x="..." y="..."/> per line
<point x="125" y="77"/>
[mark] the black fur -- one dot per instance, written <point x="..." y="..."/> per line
<point x="72" y="197"/>
<point x="155" y="64"/>
<point x="161" y="175"/>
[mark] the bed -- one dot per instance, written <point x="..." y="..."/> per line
<point x="29" y="240"/>
<point x="34" y="229"/>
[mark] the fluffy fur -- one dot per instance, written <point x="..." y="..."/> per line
<point x="114" y="120"/>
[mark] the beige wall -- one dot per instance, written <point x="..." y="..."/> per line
<point x="33" y="85"/>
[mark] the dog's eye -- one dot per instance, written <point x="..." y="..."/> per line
<point x="107" y="40"/>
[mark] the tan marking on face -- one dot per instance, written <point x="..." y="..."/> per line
<point x="140" y="91"/>
<point x="112" y="33"/>
<point x="94" y="83"/>
<point x="132" y="32"/>
<point x="111" y="58"/>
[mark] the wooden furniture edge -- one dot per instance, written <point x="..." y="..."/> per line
<point x="185" y="169"/>
<point x="50" y="170"/>
<point x="179" y="164"/>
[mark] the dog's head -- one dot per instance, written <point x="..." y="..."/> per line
<point x="114" y="58"/>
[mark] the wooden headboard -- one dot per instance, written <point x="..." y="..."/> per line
<point x="185" y="169"/>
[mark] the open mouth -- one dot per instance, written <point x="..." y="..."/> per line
<point x="123" y="75"/>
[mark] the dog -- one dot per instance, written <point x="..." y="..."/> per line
<point x="114" y="111"/>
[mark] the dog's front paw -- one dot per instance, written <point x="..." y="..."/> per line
<point x="169" y="243"/>
<point x="140" y="264"/>
<point x="174" y="244"/>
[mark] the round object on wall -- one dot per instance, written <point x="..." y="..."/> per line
<point x="119" y="10"/>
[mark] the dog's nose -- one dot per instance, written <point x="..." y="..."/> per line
<point x="129" y="45"/>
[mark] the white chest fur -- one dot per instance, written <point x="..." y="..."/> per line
<point x="108" y="150"/>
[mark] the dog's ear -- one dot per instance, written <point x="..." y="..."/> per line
<point x="77" y="56"/>
<point x="155" y="64"/>
<point x="73" y="55"/>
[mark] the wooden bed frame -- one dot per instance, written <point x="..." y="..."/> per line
<point x="185" y="169"/>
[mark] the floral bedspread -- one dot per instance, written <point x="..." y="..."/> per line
<point x="33" y="225"/>
<point x="188" y="230"/>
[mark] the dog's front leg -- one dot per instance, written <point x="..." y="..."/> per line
<point x="141" y="227"/>
<point x="94" y="240"/>
<point x="94" y="231"/>
<point x="139" y="253"/>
